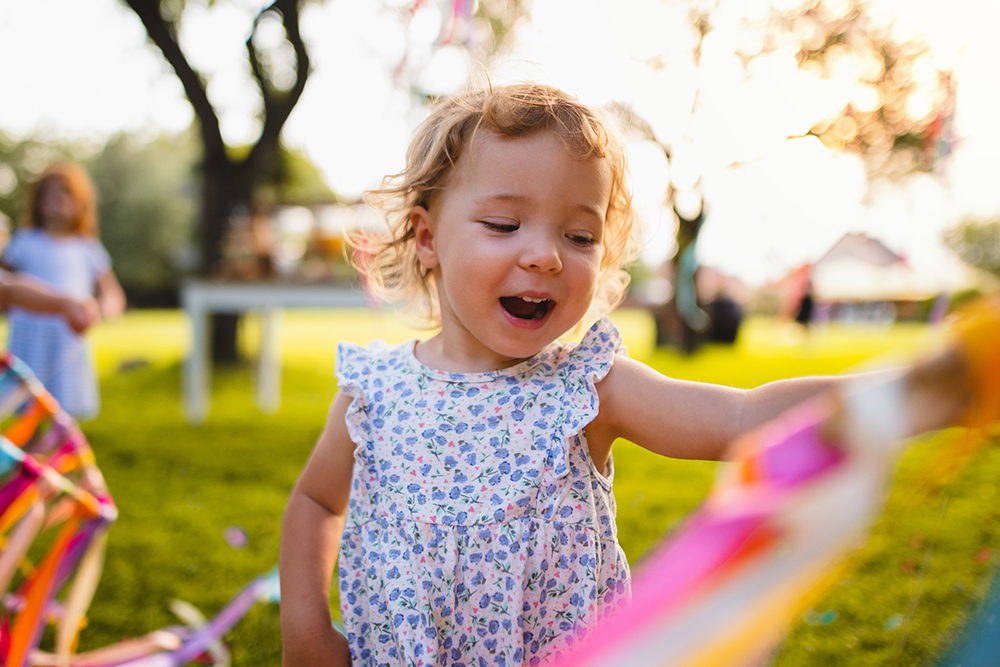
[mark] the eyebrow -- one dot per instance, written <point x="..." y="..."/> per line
<point x="511" y="197"/>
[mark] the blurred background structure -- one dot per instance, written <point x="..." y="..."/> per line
<point x="233" y="139"/>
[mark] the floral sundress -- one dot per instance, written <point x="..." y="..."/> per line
<point x="479" y="531"/>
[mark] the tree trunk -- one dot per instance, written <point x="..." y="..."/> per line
<point x="225" y="349"/>
<point x="672" y="327"/>
<point x="229" y="185"/>
<point x="228" y="191"/>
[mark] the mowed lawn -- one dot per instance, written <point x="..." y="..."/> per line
<point x="182" y="490"/>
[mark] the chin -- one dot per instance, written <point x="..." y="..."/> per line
<point x="527" y="348"/>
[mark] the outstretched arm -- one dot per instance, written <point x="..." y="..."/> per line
<point x="80" y="314"/>
<point x="110" y="296"/>
<point x="310" y="540"/>
<point x="682" y="419"/>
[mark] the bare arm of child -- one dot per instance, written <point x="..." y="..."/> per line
<point x="80" y="314"/>
<point x="310" y="540"/>
<point x="110" y="296"/>
<point x="682" y="419"/>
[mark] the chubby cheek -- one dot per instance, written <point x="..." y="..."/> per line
<point x="591" y="274"/>
<point x="470" y="280"/>
<point x="583" y="289"/>
<point x="595" y="288"/>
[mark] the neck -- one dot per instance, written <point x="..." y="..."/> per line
<point x="57" y="229"/>
<point x="438" y="354"/>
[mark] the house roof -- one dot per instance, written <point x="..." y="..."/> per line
<point x="861" y="268"/>
<point x="855" y="245"/>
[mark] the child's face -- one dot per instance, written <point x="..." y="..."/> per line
<point x="515" y="244"/>
<point x="56" y="206"/>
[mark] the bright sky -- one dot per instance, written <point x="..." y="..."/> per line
<point x="82" y="69"/>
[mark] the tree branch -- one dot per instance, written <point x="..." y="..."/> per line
<point x="162" y="33"/>
<point x="278" y="105"/>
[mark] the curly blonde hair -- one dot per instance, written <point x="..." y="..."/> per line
<point x="390" y="261"/>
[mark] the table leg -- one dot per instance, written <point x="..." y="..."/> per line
<point x="269" y="362"/>
<point x="198" y="371"/>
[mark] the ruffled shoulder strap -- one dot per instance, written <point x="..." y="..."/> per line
<point x="586" y="364"/>
<point x="361" y="372"/>
<point x="596" y="352"/>
<point x="354" y="368"/>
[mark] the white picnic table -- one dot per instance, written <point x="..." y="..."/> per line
<point x="201" y="298"/>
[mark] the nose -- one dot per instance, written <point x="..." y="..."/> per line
<point x="541" y="254"/>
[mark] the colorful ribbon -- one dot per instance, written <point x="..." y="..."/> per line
<point x="785" y="513"/>
<point x="49" y="481"/>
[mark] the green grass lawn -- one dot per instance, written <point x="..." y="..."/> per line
<point x="178" y="488"/>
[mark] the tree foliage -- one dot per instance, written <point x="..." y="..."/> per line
<point x="146" y="207"/>
<point x="478" y="31"/>
<point x="892" y="119"/>
<point x="977" y="243"/>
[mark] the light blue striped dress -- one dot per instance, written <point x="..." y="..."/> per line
<point x="59" y="357"/>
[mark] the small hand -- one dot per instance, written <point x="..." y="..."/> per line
<point x="329" y="650"/>
<point x="81" y="314"/>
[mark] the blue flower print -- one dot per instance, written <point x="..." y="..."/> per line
<point x="474" y="502"/>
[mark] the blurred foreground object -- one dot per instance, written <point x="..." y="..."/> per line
<point x="53" y="495"/>
<point x="773" y="535"/>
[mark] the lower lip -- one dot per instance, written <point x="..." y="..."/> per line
<point x="527" y="324"/>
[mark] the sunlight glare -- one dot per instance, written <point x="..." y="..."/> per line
<point x="425" y="27"/>
<point x="270" y="33"/>
<point x="686" y="165"/>
<point x="446" y="71"/>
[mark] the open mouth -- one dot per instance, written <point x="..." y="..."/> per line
<point x="525" y="307"/>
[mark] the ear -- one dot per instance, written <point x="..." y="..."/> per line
<point x="423" y="236"/>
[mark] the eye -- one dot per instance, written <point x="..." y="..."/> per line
<point x="502" y="227"/>
<point x="581" y="240"/>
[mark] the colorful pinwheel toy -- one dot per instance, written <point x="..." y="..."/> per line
<point x="51" y="492"/>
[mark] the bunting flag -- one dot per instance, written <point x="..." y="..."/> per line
<point x="789" y="507"/>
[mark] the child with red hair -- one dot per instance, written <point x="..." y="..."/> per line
<point x="57" y="244"/>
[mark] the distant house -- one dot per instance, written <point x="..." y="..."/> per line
<point x="858" y="279"/>
<point x="859" y="268"/>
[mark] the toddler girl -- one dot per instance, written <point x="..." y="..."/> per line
<point x="465" y="480"/>
<point x="57" y="243"/>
